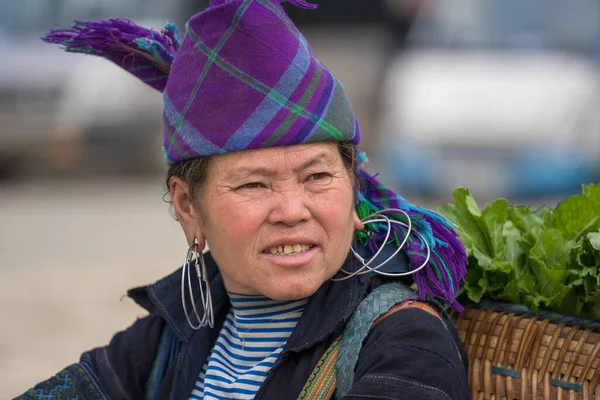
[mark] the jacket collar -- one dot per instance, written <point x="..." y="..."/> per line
<point x="328" y="309"/>
<point x="163" y="298"/>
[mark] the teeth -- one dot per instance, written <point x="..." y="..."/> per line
<point x="289" y="249"/>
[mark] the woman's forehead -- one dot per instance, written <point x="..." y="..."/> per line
<point x="274" y="160"/>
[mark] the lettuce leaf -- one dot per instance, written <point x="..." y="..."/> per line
<point x="579" y="214"/>
<point x="547" y="258"/>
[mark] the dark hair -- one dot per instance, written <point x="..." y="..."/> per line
<point x="194" y="171"/>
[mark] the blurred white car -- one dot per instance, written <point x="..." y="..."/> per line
<point x="30" y="77"/>
<point x="498" y="96"/>
<point x="72" y="112"/>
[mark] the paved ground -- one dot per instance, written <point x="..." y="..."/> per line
<point x="68" y="253"/>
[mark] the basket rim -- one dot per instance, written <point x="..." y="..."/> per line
<point x="553" y="316"/>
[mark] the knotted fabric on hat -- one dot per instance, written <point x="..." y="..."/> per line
<point x="243" y="77"/>
<point x="246" y="78"/>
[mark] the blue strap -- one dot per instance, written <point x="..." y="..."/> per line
<point x="377" y="303"/>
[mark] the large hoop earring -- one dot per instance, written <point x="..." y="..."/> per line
<point x="366" y="266"/>
<point x="195" y="257"/>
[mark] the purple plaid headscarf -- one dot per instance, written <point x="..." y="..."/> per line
<point x="243" y="77"/>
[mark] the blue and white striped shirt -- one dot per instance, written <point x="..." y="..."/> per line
<point x="253" y="335"/>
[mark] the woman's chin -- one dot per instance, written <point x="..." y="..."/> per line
<point x="290" y="291"/>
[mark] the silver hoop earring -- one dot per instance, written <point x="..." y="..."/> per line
<point x="194" y="257"/>
<point x="366" y="266"/>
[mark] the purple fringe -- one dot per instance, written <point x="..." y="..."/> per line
<point x="447" y="267"/>
<point x="451" y="259"/>
<point x="144" y="52"/>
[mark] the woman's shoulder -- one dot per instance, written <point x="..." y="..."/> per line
<point x="418" y="324"/>
<point x="128" y="357"/>
<point x="412" y="350"/>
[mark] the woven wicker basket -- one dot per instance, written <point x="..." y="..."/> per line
<point x="515" y="354"/>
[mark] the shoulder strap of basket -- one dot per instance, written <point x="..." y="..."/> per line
<point x="336" y="366"/>
<point x="378" y="303"/>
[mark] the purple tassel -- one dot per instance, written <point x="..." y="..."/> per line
<point x="446" y="269"/>
<point x="441" y="281"/>
<point x="144" y="52"/>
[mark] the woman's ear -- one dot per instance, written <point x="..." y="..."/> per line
<point x="186" y="213"/>
<point x="358" y="224"/>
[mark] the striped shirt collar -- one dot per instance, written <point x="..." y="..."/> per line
<point x="251" y="312"/>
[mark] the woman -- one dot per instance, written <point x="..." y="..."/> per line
<point x="261" y="144"/>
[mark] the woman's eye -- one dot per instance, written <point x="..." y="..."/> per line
<point x="251" y="185"/>
<point x="318" y="176"/>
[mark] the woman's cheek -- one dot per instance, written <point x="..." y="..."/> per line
<point x="337" y="200"/>
<point x="245" y="221"/>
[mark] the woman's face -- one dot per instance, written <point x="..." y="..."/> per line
<point x="279" y="221"/>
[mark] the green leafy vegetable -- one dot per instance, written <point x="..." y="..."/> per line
<point x="548" y="258"/>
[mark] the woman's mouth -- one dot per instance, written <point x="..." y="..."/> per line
<point x="289" y="249"/>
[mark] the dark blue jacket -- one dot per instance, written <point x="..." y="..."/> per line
<point x="409" y="355"/>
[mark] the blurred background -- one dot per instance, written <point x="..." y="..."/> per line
<point x="500" y="96"/>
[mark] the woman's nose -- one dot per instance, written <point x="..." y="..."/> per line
<point x="289" y="208"/>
